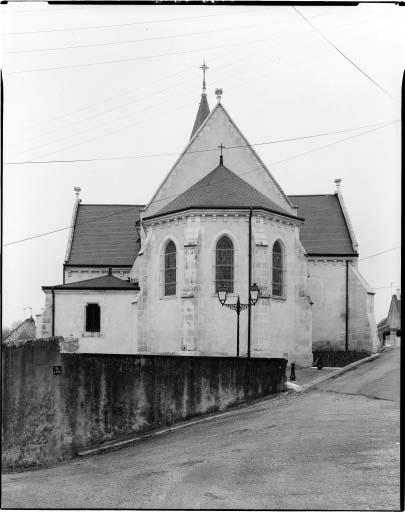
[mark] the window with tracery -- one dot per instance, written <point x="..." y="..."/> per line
<point x="224" y="264"/>
<point x="278" y="270"/>
<point x="170" y="269"/>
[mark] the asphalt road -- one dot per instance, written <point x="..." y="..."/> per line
<point x="335" y="447"/>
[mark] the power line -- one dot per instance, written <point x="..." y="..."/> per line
<point x="174" y="36"/>
<point x="165" y="198"/>
<point x="130" y="59"/>
<point x="122" y="24"/>
<point x="378" y="253"/>
<point x="132" y="157"/>
<point x="343" y="55"/>
<point x="331" y="144"/>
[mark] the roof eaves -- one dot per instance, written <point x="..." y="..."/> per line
<point x="72" y="229"/>
<point x="220" y="207"/>
<point x="333" y="255"/>
<point x="347" y="220"/>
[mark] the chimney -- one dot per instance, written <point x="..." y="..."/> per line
<point x="338" y="181"/>
<point x="77" y="192"/>
<point x="399" y="293"/>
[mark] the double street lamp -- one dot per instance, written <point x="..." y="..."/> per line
<point x="238" y="306"/>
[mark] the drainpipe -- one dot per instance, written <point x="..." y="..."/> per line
<point x="347" y="307"/>
<point x="53" y="312"/>
<point x="250" y="281"/>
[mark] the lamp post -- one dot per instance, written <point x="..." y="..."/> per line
<point x="254" y="293"/>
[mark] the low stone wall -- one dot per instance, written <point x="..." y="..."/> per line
<point x="55" y="404"/>
<point x="338" y="358"/>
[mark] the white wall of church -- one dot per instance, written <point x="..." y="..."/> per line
<point x="118" y="329"/>
<point x="194" y="321"/>
<point x="327" y="289"/>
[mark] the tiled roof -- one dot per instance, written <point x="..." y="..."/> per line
<point x="324" y="230"/>
<point x="221" y="188"/>
<point x="108" y="282"/>
<point x="105" y="234"/>
<point x="202" y="114"/>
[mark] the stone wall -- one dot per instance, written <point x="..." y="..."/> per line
<point x="55" y="404"/>
<point x="327" y="289"/>
<point x="193" y="321"/>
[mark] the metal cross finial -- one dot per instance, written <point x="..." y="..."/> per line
<point x="204" y="68"/>
<point x="221" y="158"/>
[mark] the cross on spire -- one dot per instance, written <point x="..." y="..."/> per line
<point x="221" y="158"/>
<point x="204" y="68"/>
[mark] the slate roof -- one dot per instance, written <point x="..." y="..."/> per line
<point x="325" y="230"/>
<point x="221" y="188"/>
<point x="202" y="114"/>
<point x="105" y="234"/>
<point x="107" y="282"/>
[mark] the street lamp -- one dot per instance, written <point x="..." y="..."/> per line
<point x="254" y="294"/>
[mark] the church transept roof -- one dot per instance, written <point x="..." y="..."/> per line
<point x="325" y="231"/>
<point x="105" y="234"/>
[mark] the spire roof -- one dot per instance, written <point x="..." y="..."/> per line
<point x="202" y="114"/>
<point x="221" y="188"/>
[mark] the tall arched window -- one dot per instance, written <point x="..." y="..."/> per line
<point x="224" y="264"/>
<point x="278" y="270"/>
<point x="170" y="269"/>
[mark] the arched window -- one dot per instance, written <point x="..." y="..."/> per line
<point x="170" y="269"/>
<point x="224" y="264"/>
<point x="278" y="270"/>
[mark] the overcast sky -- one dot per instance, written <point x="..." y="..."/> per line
<point x="90" y="82"/>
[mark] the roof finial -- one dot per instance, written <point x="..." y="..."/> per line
<point x="218" y="94"/>
<point x="204" y="68"/>
<point x="77" y="191"/>
<point x="221" y="158"/>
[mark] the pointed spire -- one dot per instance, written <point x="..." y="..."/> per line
<point x="203" y="109"/>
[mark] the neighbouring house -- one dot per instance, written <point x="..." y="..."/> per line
<point x="26" y="330"/>
<point x="389" y="329"/>
<point x="212" y="219"/>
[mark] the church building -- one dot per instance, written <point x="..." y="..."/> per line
<point x="146" y="278"/>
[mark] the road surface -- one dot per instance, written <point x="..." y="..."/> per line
<point x="335" y="447"/>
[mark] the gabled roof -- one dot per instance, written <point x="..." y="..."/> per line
<point x="204" y="140"/>
<point x="202" y="113"/>
<point x="107" y="282"/>
<point x="105" y="234"/>
<point x="325" y="231"/>
<point x="221" y="188"/>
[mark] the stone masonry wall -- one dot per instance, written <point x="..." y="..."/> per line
<point x="55" y="404"/>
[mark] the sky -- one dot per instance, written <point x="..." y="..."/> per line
<point x="100" y="82"/>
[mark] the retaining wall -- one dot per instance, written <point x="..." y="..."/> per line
<point x="55" y="404"/>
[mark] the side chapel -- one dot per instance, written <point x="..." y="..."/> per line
<point x="145" y="278"/>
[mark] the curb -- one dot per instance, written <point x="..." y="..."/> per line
<point x="127" y="442"/>
<point x="344" y="369"/>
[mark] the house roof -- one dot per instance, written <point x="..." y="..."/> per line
<point x="325" y="231"/>
<point x="107" y="282"/>
<point x="105" y="234"/>
<point x="221" y="188"/>
<point x="202" y="113"/>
